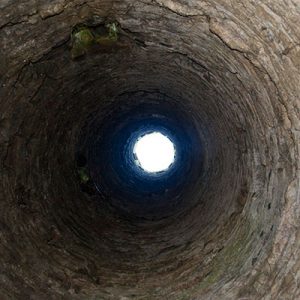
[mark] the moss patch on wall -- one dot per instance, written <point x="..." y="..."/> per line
<point x="83" y="37"/>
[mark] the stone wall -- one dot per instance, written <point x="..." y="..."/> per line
<point x="235" y="65"/>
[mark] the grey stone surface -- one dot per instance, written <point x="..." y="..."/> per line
<point x="237" y="65"/>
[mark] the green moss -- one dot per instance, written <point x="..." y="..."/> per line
<point x="83" y="175"/>
<point x="110" y="36"/>
<point x="231" y="257"/>
<point x="184" y="296"/>
<point x="211" y="278"/>
<point x="83" y="37"/>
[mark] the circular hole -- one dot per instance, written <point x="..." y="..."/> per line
<point x="154" y="152"/>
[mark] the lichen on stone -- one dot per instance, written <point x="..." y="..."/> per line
<point x="113" y="31"/>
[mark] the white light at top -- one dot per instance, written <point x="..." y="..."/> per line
<point x="154" y="152"/>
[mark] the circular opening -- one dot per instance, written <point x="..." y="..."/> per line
<point x="154" y="152"/>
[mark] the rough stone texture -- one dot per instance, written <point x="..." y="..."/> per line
<point x="237" y="64"/>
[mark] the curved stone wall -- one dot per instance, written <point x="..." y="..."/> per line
<point x="233" y="69"/>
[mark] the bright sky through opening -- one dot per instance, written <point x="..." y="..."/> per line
<point x="154" y="152"/>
